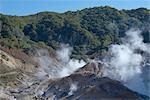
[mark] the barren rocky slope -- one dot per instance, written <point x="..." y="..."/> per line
<point x="20" y="83"/>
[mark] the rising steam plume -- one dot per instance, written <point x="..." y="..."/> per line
<point x="126" y="61"/>
<point x="57" y="67"/>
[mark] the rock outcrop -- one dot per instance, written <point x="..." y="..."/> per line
<point x="88" y="84"/>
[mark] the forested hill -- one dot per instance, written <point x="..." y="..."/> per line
<point x="88" y="31"/>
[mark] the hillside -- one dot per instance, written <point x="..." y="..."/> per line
<point x="89" y="31"/>
<point x="94" y="53"/>
<point x="22" y="81"/>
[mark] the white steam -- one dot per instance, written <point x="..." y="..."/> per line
<point x="44" y="61"/>
<point x="57" y="67"/>
<point x="64" y="53"/>
<point x="126" y="60"/>
<point x="68" y="65"/>
<point x="73" y="88"/>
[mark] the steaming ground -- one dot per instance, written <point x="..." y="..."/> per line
<point x="126" y="62"/>
<point x="60" y="67"/>
<point x="54" y="67"/>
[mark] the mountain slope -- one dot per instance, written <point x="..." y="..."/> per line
<point x="21" y="83"/>
<point x="89" y="31"/>
<point x="86" y="83"/>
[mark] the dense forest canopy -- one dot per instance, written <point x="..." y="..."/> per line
<point x="89" y="31"/>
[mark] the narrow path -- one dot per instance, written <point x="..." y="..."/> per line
<point x="9" y="73"/>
